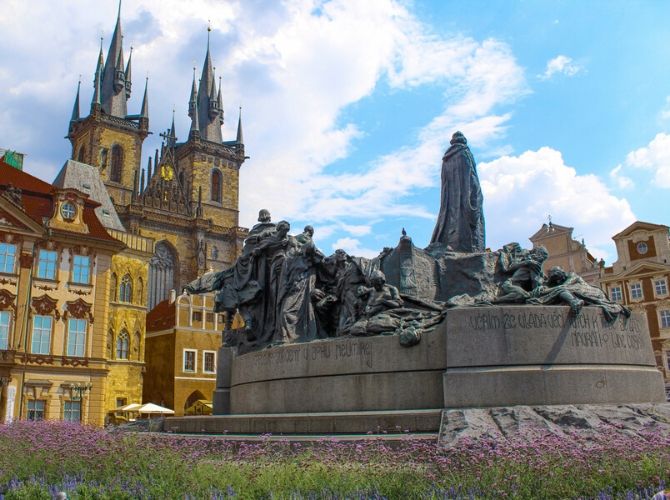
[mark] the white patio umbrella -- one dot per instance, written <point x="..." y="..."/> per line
<point x="130" y="407"/>
<point x="153" y="409"/>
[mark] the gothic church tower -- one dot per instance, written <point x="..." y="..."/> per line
<point x="109" y="138"/>
<point x="187" y="197"/>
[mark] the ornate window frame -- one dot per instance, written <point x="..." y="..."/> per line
<point x="126" y="289"/>
<point x="122" y="350"/>
<point x="47" y="262"/>
<point x="664" y="317"/>
<point x="216" y="186"/>
<point x="194" y="352"/>
<point x="663" y="280"/>
<point x="631" y="286"/>
<point x="204" y="362"/>
<point x="5" y="269"/>
<point x="619" y="288"/>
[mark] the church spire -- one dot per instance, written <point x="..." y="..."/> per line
<point x="113" y="85"/>
<point x="210" y="117"/>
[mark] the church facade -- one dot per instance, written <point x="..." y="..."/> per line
<point x="186" y="199"/>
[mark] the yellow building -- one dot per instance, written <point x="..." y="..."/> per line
<point x="566" y="252"/>
<point x="640" y="279"/>
<point x="183" y="338"/>
<point x="127" y="290"/>
<point x="55" y="270"/>
<point x="188" y="201"/>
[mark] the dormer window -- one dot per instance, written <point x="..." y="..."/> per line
<point x="68" y="211"/>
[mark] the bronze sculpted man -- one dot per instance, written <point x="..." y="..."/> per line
<point x="562" y="287"/>
<point x="460" y="224"/>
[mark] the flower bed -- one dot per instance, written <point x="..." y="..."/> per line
<point x="39" y="459"/>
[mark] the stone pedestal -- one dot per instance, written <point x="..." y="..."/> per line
<point x="521" y="355"/>
<point x="221" y="399"/>
<point x="479" y="357"/>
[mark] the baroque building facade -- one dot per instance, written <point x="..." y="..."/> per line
<point x="640" y="279"/>
<point x="56" y="261"/>
<point x="566" y="252"/>
<point x="187" y="197"/>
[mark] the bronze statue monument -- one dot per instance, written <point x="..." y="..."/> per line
<point x="460" y="223"/>
<point x="287" y="291"/>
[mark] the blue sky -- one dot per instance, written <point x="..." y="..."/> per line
<point x="348" y="106"/>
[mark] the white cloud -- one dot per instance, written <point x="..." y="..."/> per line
<point x="382" y="39"/>
<point x="562" y="65"/>
<point x="295" y="67"/>
<point x="353" y="247"/>
<point x="357" y="230"/>
<point x="621" y="181"/>
<point x="521" y="191"/>
<point x="654" y="157"/>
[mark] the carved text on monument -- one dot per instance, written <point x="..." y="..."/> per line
<point x="337" y="351"/>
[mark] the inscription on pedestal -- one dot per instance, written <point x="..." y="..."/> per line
<point x="589" y="329"/>
<point x="544" y="335"/>
<point x="337" y="351"/>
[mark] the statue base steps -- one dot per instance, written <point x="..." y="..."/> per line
<point x="479" y="357"/>
<point x="377" y="422"/>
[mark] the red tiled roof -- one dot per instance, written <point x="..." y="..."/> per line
<point x="161" y="317"/>
<point x="37" y="198"/>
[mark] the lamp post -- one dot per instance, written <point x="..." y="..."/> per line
<point x="77" y="391"/>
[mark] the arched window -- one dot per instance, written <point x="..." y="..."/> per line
<point x="112" y="289"/>
<point x="122" y="344"/>
<point x="215" y="253"/>
<point x="163" y="268"/>
<point x="216" y="185"/>
<point x="126" y="289"/>
<point x="82" y="153"/>
<point x="195" y="396"/>
<point x="117" y="164"/>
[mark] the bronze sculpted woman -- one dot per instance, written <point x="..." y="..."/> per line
<point x="460" y="224"/>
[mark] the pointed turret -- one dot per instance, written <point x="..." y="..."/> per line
<point x="75" y="108"/>
<point x="240" y="138"/>
<point x="210" y="117"/>
<point x="219" y="100"/>
<point x="113" y="84"/>
<point x="149" y="175"/>
<point x="128" y="74"/>
<point x="172" y="136"/>
<point x="74" y="118"/>
<point x="195" y="122"/>
<point x="193" y="100"/>
<point x="119" y="74"/>
<point x="97" y="80"/>
<point x="144" y="113"/>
